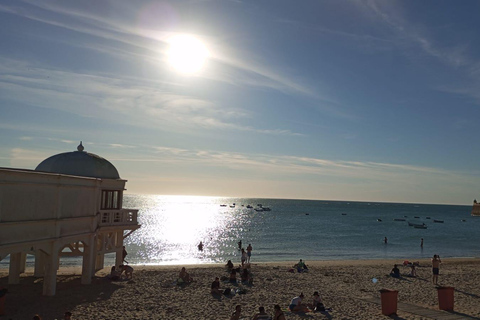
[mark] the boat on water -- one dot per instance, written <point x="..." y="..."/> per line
<point x="249" y="207"/>
<point x="438" y="221"/>
<point x="223" y="205"/>
<point x="266" y="209"/>
<point x="414" y="224"/>
<point x="379" y="220"/>
<point x="399" y="219"/>
<point x="421" y="227"/>
<point x="476" y="208"/>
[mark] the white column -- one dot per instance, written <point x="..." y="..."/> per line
<point x="40" y="258"/>
<point x="50" y="277"/>
<point x="119" y="248"/>
<point x="23" y="262"/>
<point x="88" y="259"/>
<point x="14" y="270"/>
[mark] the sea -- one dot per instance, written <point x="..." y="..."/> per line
<point x="173" y="226"/>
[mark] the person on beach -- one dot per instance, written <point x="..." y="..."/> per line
<point x="233" y="276"/>
<point x="200" y="246"/>
<point x="421" y="243"/>
<point x="114" y="274"/>
<point x="215" y="287"/>
<point x="385" y="240"/>
<point x="67" y="316"/>
<point x="240" y="245"/>
<point x="413" y="272"/>
<point x="261" y="315"/>
<point x="301" y="266"/>
<point x="317" y="304"/>
<point x="296" y="304"/>
<point x="435" y="268"/>
<point x="395" y="272"/>
<point x="184" y="276"/>
<point x="124" y="255"/>
<point x="278" y="313"/>
<point x="238" y="312"/>
<point x="127" y="269"/>
<point x="246" y="277"/>
<point x="244" y="257"/>
<point x="249" y="252"/>
<point x="229" y="265"/>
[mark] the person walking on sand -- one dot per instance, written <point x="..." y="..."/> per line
<point x="238" y="312"/>
<point x="435" y="268"/>
<point x="249" y="252"/>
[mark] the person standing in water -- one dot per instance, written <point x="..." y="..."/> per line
<point x="240" y="245"/>
<point x="421" y="243"/>
<point x="200" y="246"/>
<point x="385" y="240"/>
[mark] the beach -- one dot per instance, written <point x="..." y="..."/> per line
<point x="345" y="286"/>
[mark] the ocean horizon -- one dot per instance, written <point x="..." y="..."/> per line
<point x="173" y="226"/>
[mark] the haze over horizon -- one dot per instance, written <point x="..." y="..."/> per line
<point x="330" y="100"/>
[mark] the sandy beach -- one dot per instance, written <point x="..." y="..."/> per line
<point x="345" y="286"/>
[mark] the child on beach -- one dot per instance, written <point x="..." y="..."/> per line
<point x="238" y="311"/>
<point x="278" y="313"/>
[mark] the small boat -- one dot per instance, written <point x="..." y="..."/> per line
<point x="405" y="216"/>
<point x="427" y="218"/>
<point x="223" y="205"/>
<point x="398" y="219"/>
<point x="344" y="214"/>
<point x="249" y="207"/>
<point x="232" y="206"/>
<point x="379" y="220"/>
<point x="413" y="224"/>
<point x="417" y="217"/>
<point x="266" y="209"/>
<point x="438" y="221"/>
<point x="463" y="220"/>
<point x="258" y="209"/>
<point x="420" y="227"/>
<point x="307" y="214"/>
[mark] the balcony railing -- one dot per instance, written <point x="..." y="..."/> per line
<point x="118" y="217"/>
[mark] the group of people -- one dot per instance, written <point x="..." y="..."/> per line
<point x="66" y="316"/>
<point x="300" y="266"/>
<point x="395" y="272"/>
<point x="116" y="273"/>
<point x="296" y="305"/>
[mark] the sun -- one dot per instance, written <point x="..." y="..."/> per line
<point x="187" y="54"/>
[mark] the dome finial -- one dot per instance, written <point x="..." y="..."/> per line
<point x="80" y="147"/>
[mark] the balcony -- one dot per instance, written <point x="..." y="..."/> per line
<point x="118" y="217"/>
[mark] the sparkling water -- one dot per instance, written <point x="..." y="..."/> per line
<point x="173" y="226"/>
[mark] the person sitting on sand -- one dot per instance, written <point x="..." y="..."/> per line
<point x="215" y="287"/>
<point x="395" y="272"/>
<point x="317" y="304"/>
<point x="233" y="276"/>
<point x="114" y="274"/>
<point x="238" y="312"/>
<point x="301" y="266"/>
<point x="185" y="276"/>
<point x="278" y="315"/>
<point x="296" y="304"/>
<point x="127" y="269"/>
<point x="67" y="316"/>
<point x="229" y="265"/>
<point x="262" y="315"/>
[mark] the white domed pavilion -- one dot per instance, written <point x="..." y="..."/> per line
<point x="70" y="205"/>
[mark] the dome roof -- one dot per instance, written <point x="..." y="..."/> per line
<point x="79" y="163"/>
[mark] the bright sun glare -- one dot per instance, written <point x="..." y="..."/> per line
<point x="187" y="54"/>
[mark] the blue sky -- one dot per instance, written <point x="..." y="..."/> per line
<point x="338" y="100"/>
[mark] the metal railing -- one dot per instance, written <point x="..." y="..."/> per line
<point x="118" y="217"/>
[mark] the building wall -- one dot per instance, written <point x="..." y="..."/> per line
<point x="38" y="206"/>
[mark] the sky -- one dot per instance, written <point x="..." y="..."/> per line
<point x="332" y="100"/>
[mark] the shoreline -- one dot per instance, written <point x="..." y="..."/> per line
<point x="345" y="286"/>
